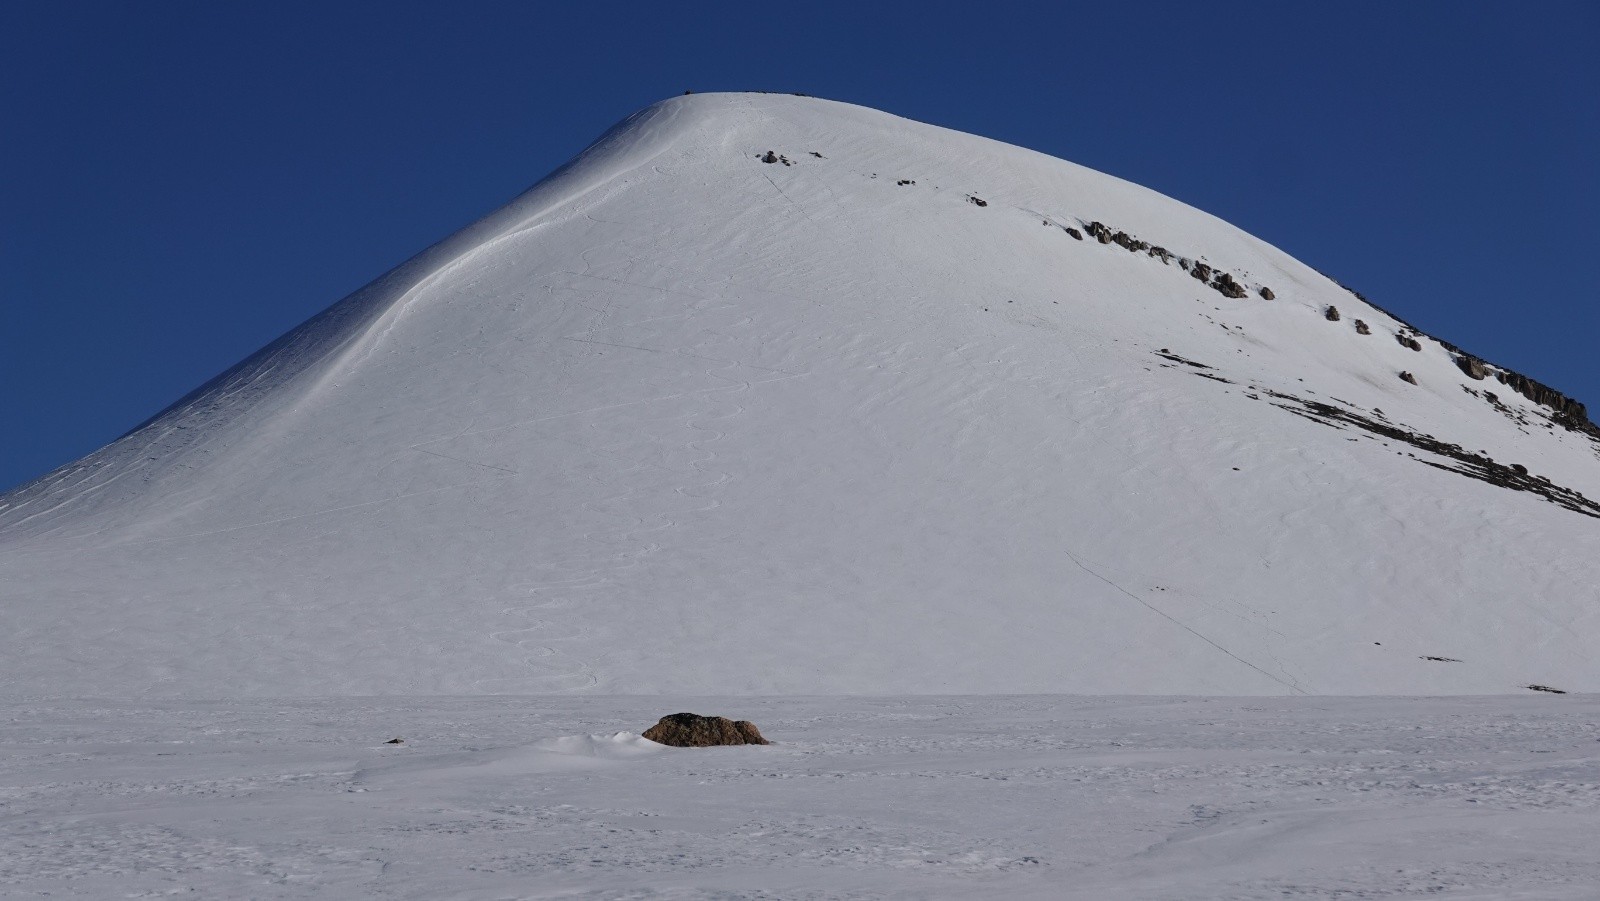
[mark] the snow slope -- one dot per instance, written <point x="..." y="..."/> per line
<point x="681" y="420"/>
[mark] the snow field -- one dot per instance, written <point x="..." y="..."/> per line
<point x="894" y="797"/>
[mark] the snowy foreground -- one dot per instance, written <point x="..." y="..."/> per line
<point x="961" y="797"/>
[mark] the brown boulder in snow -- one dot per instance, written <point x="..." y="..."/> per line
<point x="690" y="730"/>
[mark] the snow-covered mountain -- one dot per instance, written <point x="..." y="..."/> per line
<point x="768" y="394"/>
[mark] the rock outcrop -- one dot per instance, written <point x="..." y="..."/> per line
<point x="1472" y="366"/>
<point x="1225" y="283"/>
<point x="1540" y="393"/>
<point x="690" y="730"/>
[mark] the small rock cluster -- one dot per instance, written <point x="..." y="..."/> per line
<point x="1222" y="282"/>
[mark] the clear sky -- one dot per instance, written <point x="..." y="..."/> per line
<point x="182" y="182"/>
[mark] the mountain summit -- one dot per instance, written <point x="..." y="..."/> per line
<point x="768" y="394"/>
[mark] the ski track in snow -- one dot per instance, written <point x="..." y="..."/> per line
<point x="1163" y="799"/>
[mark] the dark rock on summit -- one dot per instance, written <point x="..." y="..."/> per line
<point x="1472" y="366"/>
<point x="1332" y="313"/>
<point x="689" y="730"/>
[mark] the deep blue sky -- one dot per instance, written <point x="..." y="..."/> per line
<point x="182" y="182"/>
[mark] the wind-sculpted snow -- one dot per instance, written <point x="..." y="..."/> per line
<point x="1158" y="799"/>
<point x="680" y="419"/>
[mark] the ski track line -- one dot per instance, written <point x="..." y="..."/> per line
<point x="1152" y="608"/>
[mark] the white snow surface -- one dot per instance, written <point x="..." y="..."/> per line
<point x="681" y="421"/>
<point x="1159" y="799"/>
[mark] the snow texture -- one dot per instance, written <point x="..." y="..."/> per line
<point x="905" y="797"/>
<point x="902" y="411"/>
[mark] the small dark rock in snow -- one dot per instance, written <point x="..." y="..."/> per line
<point x="1266" y="294"/>
<point x="1099" y="232"/>
<point x="1554" y="691"/>
<point x="395" y="741"/>
<point x="1332" y="313"/>
<point x="1408" y="377"/>
<point x="770" y="157"/>
<point x="1362" y="328"/>
<point x="1201" y="271"/>
<point x="1408" y="341"/>
<point x="689" y="730"/>
<point x="1073" y="232"/>
<point x="978" y="201"/>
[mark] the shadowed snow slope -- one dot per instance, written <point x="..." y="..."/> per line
<point x="867" y="418"/>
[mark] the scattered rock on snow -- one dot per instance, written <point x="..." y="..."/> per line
<point x="1266" y="293"/>
<point x="689" y="730"/>
<point x="977" y="201"/>
<point x="395" y="741"/>
<point x="1408" y="377"/>
<point x="1472" y="366"/>
<point x="770" y="157"/>
<point x="1078" y="235"/>
<point x="1331" y="313"/>
<point x="1225" y="283"/>
<point x="1554" y="691"/>
<point x="1408" y="341"/>
<point x="1362" y="328"/>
